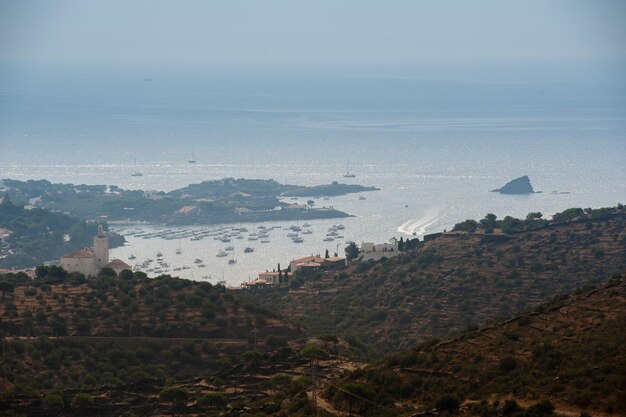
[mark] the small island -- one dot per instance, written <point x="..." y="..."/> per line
<point x="519" y="185"/>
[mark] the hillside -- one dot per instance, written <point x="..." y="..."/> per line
<point x="456" y="282"/>
<point x="60" y="304"/>
<point x="572" y="353"/>
<point x="38" y="235"/>
<point x="568" y="354"/>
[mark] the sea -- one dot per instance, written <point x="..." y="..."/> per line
<point x="434" y="142"/>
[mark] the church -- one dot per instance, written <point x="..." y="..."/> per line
<point x="89" y="262"/>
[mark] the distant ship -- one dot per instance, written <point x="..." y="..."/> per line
<point x="136" y="173"/>
<point x="348" y="174"/>
<point x="192" y="160"/>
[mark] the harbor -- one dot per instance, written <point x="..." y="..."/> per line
<point x="226" y="254"/>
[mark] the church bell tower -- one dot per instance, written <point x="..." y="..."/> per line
<point x="101" y="248"/>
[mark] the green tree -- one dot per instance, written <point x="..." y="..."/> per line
<point x="326" y="255"/>
<point x="534" y="216"/>
<point x="107" y="273"/>
<point x="213" y="400"/>
<point x="81" y="400"/>
<point x="313" y="353"/>
<point x="126" y="275"/>
<point x="6" y="286"/>
<point x="175" y="395"/>
<point x="274" y="342"/>
<point x="356" y="393"/>
<point x="53" y="400"/>
<point x="447" y="402"/>
<point x="251" y="357"/>
<point x="468" y="225"/>
<point x="352" y="251"/>
<point x="328" y="338"/>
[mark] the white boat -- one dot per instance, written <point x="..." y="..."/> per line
<point x="361" y="198"/>
<point x="248" y="250"/>
<point x="229" y="248"/>
<point x="136" y="173"/>
<point x="348" y="174"/>
<point x="307" y="232"/>
<point x="297" y="239"/>
<point x="197" y="261"/>
<point x="265" y="241"/>
<point x="328" y="239"/>
<point x="131" y="257"/>
<point x="221" y="254"/>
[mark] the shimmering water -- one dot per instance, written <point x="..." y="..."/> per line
<point x="434" y="147"/>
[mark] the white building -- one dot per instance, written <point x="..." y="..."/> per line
<point x="89" y="262"/>
<point x="375" y="251"/>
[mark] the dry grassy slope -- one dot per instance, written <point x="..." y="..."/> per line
<point x="573" y="353"/>
<point x="457" y="281"/>
<point x="113" y="307"/>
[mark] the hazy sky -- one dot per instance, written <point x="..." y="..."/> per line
<point x="320" y="31"/>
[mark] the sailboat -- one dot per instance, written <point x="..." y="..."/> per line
<point x="136" y="173"/>
<point x="348" y="174"/>
<point x="179" y="250"/>
<point x="232" y="261"/>
<point x="192" y="160"/>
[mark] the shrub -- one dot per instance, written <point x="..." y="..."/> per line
<point x="53" y="400"/>
<point x="81" y="400"/>
<point x="30" y="292"/>
<point x="447" y="402"/>
<point x="509" y="407"/>
<point x="176" y="395"/>
<point x="508" y="363"/>
<point x="540" y="409"/>
<point x="213" y="400"/>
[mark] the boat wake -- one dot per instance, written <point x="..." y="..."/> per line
<point x="419" y="226"/>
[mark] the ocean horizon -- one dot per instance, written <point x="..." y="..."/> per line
<point x="434" y="146"/>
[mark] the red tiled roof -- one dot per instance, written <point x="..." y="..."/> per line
<point x="269" y="274"/>
<point x="310" y="265"/>
<point x="335" y="259"/>
<point x="308" y="259"/>
<point x="117" y="264"/>
<point x="83" y="253"/>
